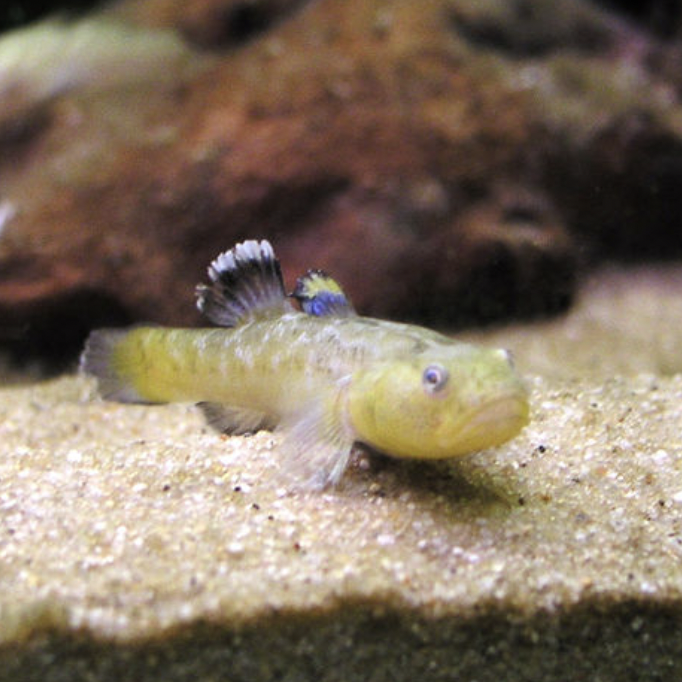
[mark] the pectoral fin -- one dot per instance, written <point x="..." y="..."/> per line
<point x="316" y="448"/>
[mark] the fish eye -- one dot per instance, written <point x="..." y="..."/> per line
<point x="435" y="378"/>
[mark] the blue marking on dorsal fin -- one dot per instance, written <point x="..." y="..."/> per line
<point x="246" y="283"/>
<point x="320" y="295"/>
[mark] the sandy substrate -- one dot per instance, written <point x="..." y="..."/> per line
<point x="135" y="544"/>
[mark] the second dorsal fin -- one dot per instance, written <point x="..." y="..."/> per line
<point x="246" y="282"/>
<point x="320" y="295"/>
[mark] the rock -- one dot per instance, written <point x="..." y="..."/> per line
<point x="446" y="161"/>
<point x="136" y="544"/>
<point x="630" y="316"/>
<point x="16" y="13"/>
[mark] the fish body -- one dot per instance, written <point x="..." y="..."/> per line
<point x="324" y="375"/>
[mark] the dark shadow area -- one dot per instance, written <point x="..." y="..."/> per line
<point x="380" y="640"/>
<point x="17" y="14"/>
<point x="624" y="210"/>
<point x="503" y="284"/>
<point x="245" y="20"/>
<point x="663" y="17"/>
<point x="55" y="336"/>
<point x="531" y="30"/>
<point x="429" y="480"/>
<point x="233" y="24"/>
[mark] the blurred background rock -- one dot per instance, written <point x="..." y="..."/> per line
<point x="451" y="162"/>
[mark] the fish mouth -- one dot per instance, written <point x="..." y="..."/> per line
<point x="494" y="422"/>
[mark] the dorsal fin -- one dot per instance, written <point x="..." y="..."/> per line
<point x="246" y="282"/>
<point x="320" y="295"/>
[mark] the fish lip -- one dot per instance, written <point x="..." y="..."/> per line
<point x="511" y="405"/>
<point x="505" y="416"/>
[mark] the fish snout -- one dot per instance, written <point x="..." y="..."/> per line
<point x="496" y="421"/>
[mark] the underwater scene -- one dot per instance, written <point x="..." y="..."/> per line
<point x="341" y="340"/>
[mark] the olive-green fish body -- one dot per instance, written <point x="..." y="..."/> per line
<point x="325" y="376"/>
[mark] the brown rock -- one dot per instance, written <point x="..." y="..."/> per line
<point x="448" y="161"/>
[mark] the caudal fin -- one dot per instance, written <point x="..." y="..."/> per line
<point x="99" y="360"/>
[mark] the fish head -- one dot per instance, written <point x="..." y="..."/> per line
<point x="444" y="402"/>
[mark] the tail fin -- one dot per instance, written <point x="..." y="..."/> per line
<point x="98" y="360"/>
